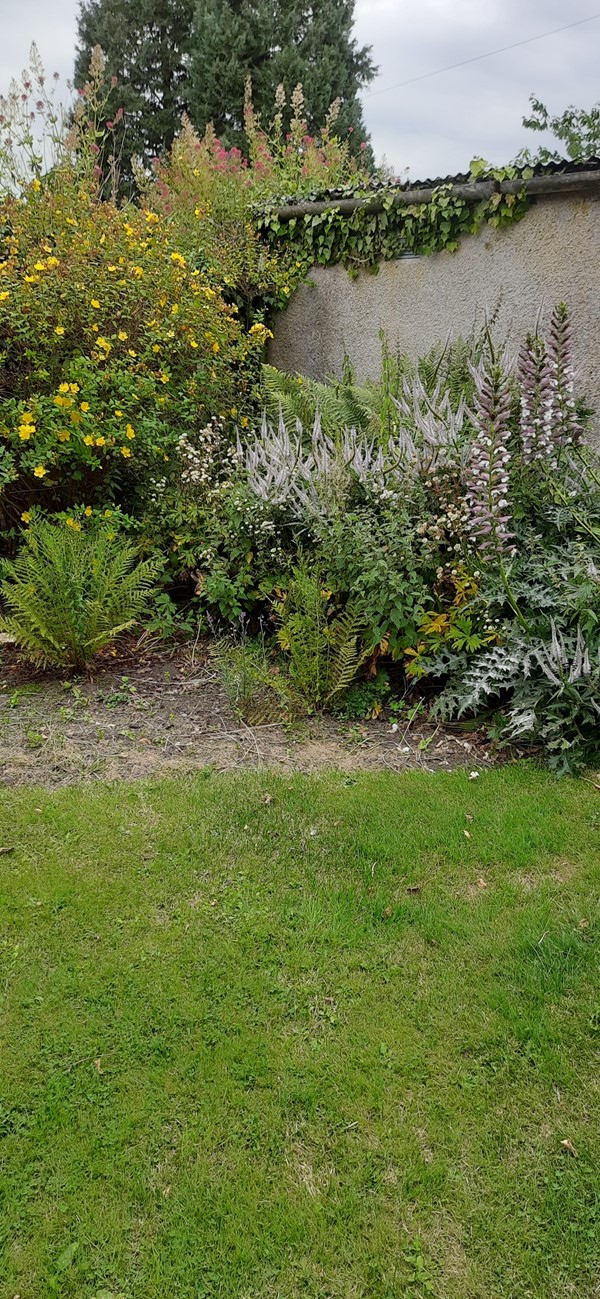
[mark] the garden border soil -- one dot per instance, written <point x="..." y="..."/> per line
<point x="151" y="711"/>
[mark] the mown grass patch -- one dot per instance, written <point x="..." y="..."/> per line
<point x="275" y="1037"/>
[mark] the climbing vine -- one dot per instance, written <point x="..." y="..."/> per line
<point x="384" y="229"/>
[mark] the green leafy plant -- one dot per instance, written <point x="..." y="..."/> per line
<point x="325" y="648"/>
<point x="385" y="226"/>
<point x="68" y="594"/>
<point x="256" y="684"/>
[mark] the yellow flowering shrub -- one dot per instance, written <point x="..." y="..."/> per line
<point x="113" y="343"/>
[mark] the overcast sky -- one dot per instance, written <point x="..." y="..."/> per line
<point x="436" y="125"/>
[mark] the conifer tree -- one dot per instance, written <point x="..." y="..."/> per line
<point x="273" y="42"/>
<point x="146" y="44"/>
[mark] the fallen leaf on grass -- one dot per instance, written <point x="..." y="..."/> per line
<point x="568" y="1145"/>
<point x="467" y="834"/>
<point x="482" y="884"/>
<point x="3" y="851"/>
<point x="413" y="888"/>
<point x="268" y="798"/>
<point x="98" y="1064"/>
<point x="469" y="816"/>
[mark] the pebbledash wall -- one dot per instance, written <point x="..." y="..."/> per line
<point x="551" y="255"/>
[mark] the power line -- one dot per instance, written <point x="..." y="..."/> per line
<point x="477" y="57"/>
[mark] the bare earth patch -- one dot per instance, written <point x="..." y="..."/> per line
<point x="159" y="712"/>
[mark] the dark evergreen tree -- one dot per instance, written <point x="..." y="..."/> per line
<point x="146" y="44"/>
<point x="273" y="42"/>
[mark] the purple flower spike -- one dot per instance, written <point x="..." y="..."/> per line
<point x="487" y="475"/>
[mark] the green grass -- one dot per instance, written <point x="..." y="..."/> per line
<point x="266" y="1038"/>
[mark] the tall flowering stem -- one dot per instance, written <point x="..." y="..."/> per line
<point x="488" y="483"/>
<point x="549" y="423"/>
<point x="487" y="473"/>
<point x="561" y="423"/>
<point x="537" y="396"/>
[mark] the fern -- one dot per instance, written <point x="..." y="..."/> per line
<point x="325" y="650"/>
<point x="340" y="405"/>
<point x="68" y="594"/>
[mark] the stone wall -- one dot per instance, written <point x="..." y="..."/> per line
<point x="551" y="255"/>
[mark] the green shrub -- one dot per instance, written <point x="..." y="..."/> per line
<point x="69" y="593"/>
<point x="324" y="648"/>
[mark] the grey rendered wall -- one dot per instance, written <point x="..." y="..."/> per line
<point x="552" y="255"/>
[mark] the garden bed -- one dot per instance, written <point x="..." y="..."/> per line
<point x="155" y="711"/>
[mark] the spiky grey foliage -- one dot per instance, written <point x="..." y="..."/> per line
<point x="487" y="478"/>
<point x="308" y="481"/>
<point x="432" y="427"/>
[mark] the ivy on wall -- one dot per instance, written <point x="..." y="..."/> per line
<point x="363" y="238"/>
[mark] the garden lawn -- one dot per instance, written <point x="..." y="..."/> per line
<point x="266" y="1037"/>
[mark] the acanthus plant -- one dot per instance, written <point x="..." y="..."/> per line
<point x="487" y="477"/>
<point x="549" y="422"/>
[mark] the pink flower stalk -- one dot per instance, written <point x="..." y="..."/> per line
<point x="561" y="420"/>
<point x="546" y="375"/>
<point x="487" y="474"/>
<point x="536" y="398"/>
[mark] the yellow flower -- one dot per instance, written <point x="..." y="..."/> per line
<point x="52" y="261"/>
<point x="233" y="411"/>
<point x="105" y="345"/>
<point x="31" y="279"/>
<point x="138" y="271"/>
<point x="178" y="259"/>
<point x="25" y="431"/>
<point x="125" y="451"/>
<point x="64" y="387"/>
<point x="155" y="347"/>
<point x="95" y="303"/>
<point x="108" y="514"/>
<point x="130" y="352"/>
<point x="26" y="517"/>
<point x="193" y="342"/>
<point x="110" y="535"/>
<point x="59" y="330"/>
<point x="100" y="442"/>
<point x="39" y="471"/>
<point x="64" y="435"/>
<point x="88" y="511"/>
<point x="27" y="417"/>
<point x="164" y="378"/>
<point x="174" y="309"/>
<point x="215" y="347"/>
<point x="122" y="335"/>
<point x="37" y="185"/>
<point x="4" y="296"/>
<point x="129" y="431"/>
<point x="75" y="417"/>
<point x="40" y="266"/>
<point x="112" y="268"/>
<point x="88" y="439"/>
<point x="119" y="414"/>
<point x="73" y="387"/>
<point x="72" y="523"/>
<point x="244" y="421"/>
<point x="85" y="406"/>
